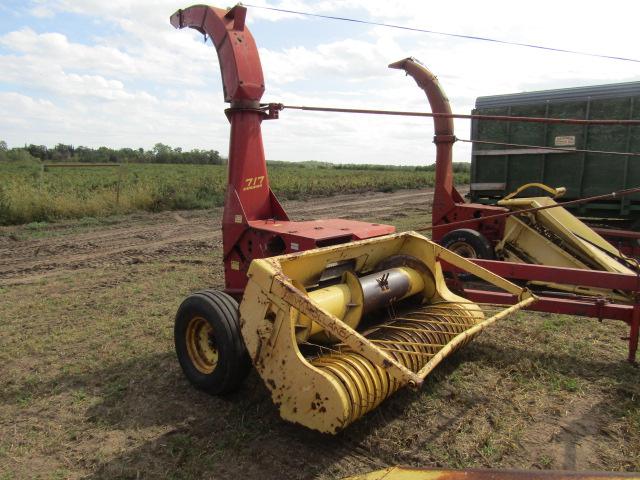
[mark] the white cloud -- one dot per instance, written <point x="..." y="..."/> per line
<point x="40" y="11"/>
<point x="147" y="83"/>
<point x="181" y="61"/>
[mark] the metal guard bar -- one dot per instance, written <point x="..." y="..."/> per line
<point x="467" y="334"/>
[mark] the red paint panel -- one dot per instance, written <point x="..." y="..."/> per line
<point x="324" y="229"/>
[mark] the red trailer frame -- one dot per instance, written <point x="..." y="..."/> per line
<point x="563" y="303"/>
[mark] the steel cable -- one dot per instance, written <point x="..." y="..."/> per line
<point x="447" y="34"/>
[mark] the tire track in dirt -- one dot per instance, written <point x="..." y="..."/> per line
<point x="200" y="219"/>
<point x="137" y="240"/>
<point x="149" y="237"/>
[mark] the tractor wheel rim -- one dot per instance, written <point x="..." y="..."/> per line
<point x="201" y="345"/>
<point x="463" y="249"/>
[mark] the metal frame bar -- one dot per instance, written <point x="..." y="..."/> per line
<point x="595" y="307"/>
<point x="570" y="276"/>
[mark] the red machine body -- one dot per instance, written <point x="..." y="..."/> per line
<point x="449" y="207"/>
<point x="254" y="224"/>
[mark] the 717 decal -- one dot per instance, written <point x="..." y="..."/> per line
<point x="253" y="183"/>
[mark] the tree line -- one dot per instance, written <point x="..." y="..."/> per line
<point x="160" y="153"/>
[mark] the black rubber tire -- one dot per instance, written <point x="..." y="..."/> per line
<point x="221" y="312"/>
<point x="470" y="240"/>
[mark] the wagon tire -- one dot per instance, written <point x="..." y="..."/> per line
<point x="209" y="344"/>
<point x="469" y="244"/>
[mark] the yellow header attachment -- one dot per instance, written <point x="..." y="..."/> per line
<point x="334" y="331"/>
<point x="555" y="237"/>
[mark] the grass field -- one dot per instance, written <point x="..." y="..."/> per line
<point x="91" y="387"/>
<point x="29" y="194"/>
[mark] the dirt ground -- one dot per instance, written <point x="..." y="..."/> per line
<point x="91" y="387"/>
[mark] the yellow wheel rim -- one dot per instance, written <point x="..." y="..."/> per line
<point x="201" y="345"/>
<point x="463" y="249"/>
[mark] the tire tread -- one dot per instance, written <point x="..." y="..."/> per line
<point x="236" y="364"/>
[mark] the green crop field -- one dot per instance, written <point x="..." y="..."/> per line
<point x="29" y="193"/>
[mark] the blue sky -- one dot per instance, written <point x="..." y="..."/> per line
<point x="116" y="73"/>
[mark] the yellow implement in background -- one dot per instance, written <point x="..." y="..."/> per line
<point x="335" y="331"/>
<point x="407" y="473"/>
<point x="555" y="237"/>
